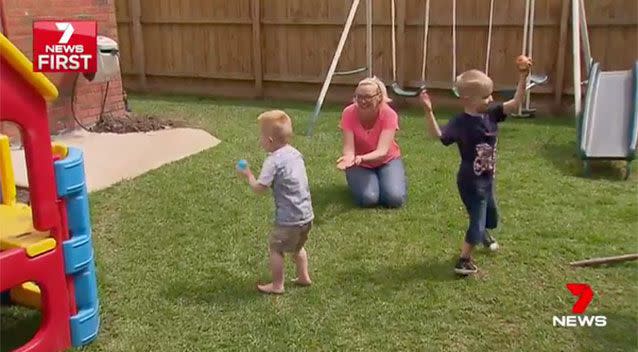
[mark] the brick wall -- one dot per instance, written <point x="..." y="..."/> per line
<point x="17" y="20"/>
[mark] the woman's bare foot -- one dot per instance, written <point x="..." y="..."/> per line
<point x="269" y="288"/>
<point x="302" y="282"/>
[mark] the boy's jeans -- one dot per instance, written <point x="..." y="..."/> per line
<point x="385" y="185"/>
<point x="478" y="198"/>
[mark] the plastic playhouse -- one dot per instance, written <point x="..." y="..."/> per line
<point x="46" y="251"/>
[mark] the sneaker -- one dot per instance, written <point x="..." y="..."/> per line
<point x="465" y="267"/>
<point x="490" y="242"/>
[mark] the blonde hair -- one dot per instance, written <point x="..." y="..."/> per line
<point x="473" y="84"/>
<point x="374" y="81"/>
<point x="276" y="124"/>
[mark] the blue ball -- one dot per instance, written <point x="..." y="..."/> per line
<point x="242" y="164"/>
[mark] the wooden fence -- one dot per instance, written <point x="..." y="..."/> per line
<point x="283" y="48"/>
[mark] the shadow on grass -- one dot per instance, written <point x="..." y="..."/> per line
<point x="217" y="287"/>
<point x="564" y="157"/>
<point x="395" y="277"/>
<point x="330" y="201"/>
<point x="620" y="334"/>
<point x="437" y="270"/>
<point x="17" y="326"/>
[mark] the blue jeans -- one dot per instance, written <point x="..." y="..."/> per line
<point x="386" y="185"/>
<point x="478" y="198"/>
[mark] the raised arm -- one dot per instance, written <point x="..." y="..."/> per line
<point x="432" y="126"/>
<point x="524" y="64"/>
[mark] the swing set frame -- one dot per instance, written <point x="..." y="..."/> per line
<point x="528" y="30"/>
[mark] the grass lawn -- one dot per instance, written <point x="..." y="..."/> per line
<point x="179" y="250"/>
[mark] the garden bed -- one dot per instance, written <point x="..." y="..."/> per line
<point x="134" y="123"/>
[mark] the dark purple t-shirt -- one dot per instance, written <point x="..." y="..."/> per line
<point x="476" y="137"/>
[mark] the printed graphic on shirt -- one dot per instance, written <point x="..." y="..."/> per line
<point x="485" y="160"/>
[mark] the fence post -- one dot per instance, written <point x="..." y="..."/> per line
<point x="560" y="57"/>
<point x="257" y="64"/>
<point x="139" y="59"/>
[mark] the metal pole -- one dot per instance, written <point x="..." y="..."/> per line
<point x="489" y="39"/>
<point x="369" y="36"/>
<point x="525" y="25"/>
<point x="333" y="65"/>
<point x="524" y="49"/>
<point x="453" y="42"/>
<point x="584" y="37"/>
<point x="576" y="55"/>
<point x="531" y="45"/>
<point x="394" y="44"/>
<point x="426" y="28"/>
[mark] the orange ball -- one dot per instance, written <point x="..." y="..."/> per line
<point x="523" y="62"/>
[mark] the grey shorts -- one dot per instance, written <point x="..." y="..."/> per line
<point x="289" y="239"/>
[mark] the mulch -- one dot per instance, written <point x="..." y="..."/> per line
<point x="133" y="123"/>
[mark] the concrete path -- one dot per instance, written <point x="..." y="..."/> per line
<point x="110" y="158"/>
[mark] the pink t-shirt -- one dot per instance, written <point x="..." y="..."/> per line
<point x="366" y="141"/>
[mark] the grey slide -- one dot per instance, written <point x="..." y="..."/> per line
<point x="608" y="126"/>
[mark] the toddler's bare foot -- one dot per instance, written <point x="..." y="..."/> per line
<point x="270" y="289"/>
<point x="302" y="282"/>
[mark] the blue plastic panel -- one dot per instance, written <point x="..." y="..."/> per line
<point x="85" y="325"/>
<point x="69" y="173"/>
<point x="78" y="253"/>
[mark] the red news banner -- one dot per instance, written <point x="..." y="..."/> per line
<point x="65" y="46"/>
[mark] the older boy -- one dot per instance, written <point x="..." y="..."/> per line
<point x="475" y="132"/>
<point x="284" y="170"/>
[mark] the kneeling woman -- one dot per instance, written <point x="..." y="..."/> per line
<point x="371" y="156"/>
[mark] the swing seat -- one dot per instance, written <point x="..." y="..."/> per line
<point x="455" y="92"/>
<point x="507" y="93"/>
<point x="407" y="93"/>
<point x="536" y="80"/>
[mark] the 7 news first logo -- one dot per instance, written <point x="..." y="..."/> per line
<point x="65" y="46"/>
<point x="585" y="295"/>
